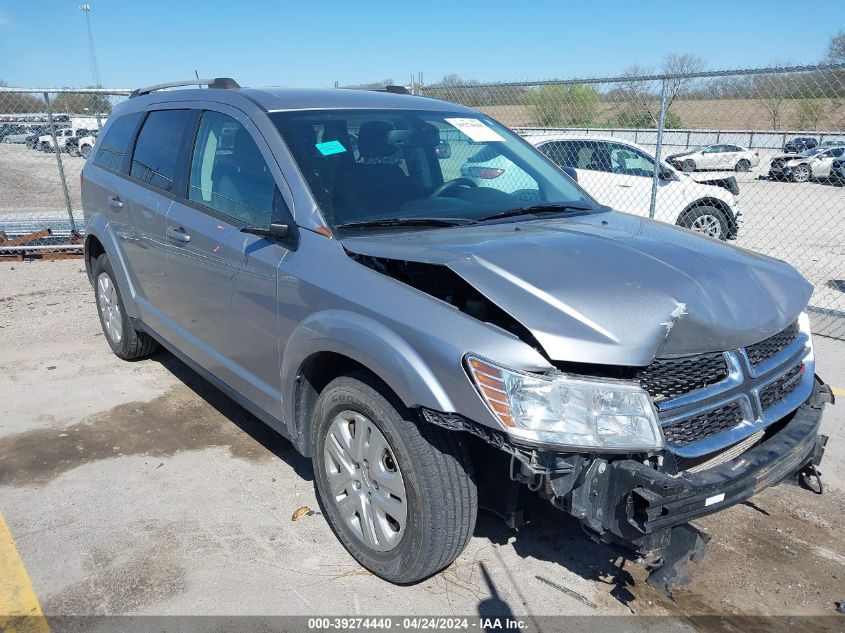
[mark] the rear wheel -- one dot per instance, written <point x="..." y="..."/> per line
<point x="706" y="219"/>
<point x="85" y="151"/>
<point x="801" y="173"/>
<point x="398" y="493"/>
<point x="125" y="341"/>
<point x="743" y="165"/>
<point x="688" y="165"/>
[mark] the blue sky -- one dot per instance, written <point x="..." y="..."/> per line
<point x="43" y="42"/>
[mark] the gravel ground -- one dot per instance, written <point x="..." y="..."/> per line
<point x="137" y="488"/>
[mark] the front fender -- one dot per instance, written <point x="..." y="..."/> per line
<point x="97" y="226"/>
<point x="370" y="343"/>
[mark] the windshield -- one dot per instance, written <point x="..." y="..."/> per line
<point x="363" y="166"/>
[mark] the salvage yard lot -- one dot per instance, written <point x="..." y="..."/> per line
<point x="137" y="488"/>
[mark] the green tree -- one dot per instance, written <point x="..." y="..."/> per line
<point x="80" y="103"/>
<point x="643" y="120"/>
<point x="808" y="113"/>
<point x="19" y="102"/>
<point x="571" y="105"/>
<point x="836" y="49"/>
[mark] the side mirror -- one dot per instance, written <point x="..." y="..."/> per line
<point x="666" y="174"/>
<point x="277" y="230"/>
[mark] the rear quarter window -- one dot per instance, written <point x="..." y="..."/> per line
<point x="158" y="151"/>
<point x="116" y="141"/>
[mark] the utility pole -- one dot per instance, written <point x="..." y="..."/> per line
<point x="95" y="71"/>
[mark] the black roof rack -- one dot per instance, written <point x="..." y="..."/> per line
<point x="218" y="83"/>
<point x="398" y="90"/>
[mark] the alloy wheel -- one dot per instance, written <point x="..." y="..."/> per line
<point x="707" y="224"/>
<point x="801" y="173"/>
<point x="109" y="308"/>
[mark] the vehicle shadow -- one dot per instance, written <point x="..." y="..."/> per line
<point x="240" y="417"/>
<point x="553" y="536"/>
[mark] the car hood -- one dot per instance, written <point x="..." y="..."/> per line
<point x="611" y="288"/>
<point x="680" y="155"/>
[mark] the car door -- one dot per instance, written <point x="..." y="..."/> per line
<point x="824" y="162"/>
<point x="725" y="157"/>
<point x="633" y="175"/>
<point x="156" y="178"/>
<point x="221" y="281"/>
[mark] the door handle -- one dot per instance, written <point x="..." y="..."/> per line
<point x="178" y="234"/>
<point x="115" y="202"/>
<point x="624" y="186"/>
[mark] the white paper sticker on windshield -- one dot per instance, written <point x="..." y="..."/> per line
<point x="476" y="130"/>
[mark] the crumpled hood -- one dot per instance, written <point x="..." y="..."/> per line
<point x="611" y="288"/>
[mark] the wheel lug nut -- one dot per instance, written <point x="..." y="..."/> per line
<point x="357" y="485"/>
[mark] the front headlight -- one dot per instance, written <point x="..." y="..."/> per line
<point x="568" y="411"/>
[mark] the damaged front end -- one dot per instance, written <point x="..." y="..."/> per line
<point x="733" y="423"/>
<point x="642" y="502"/>
<point x="677" y="375"/>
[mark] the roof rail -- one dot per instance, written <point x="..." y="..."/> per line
<point x="399" y="90"/>
<point x="219" y="83"/>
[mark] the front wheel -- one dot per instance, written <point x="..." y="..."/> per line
<point x="85" y="151"/>
<point x="801" y="173"/>
<point x="398" y="493"/>
<point x="743" y="165"/>
<point x="706" y="219"/>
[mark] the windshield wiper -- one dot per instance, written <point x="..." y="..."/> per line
<point x="402" y="222"/>
<point x="536" y="209"/>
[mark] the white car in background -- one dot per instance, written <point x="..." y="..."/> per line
<point x="718" y="157"/>
<point x="45" y="141"/>
<point x="816" y="163"/>
<point x="619" y="174"/>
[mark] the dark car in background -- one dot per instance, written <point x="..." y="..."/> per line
<point x="799" y="144"/>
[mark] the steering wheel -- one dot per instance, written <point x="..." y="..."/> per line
<point x="449" y="184"/>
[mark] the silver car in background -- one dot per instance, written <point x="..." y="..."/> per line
<point x="718" y="157"/>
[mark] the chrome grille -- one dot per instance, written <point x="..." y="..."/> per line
<point x="708" y="402"/>
<point x="781" y="387"/>
<point x="703" y="425"/>
<point x="764" y="350"/>
<point x="669" y="378"/>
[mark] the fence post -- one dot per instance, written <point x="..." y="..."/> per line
<point x="59" y="161"/>
<point x="661" y="124"/>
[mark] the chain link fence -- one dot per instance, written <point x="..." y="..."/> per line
<point x="752" y="156"/>
<point x="45" y="136"/>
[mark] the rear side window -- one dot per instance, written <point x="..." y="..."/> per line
<point x="116" y="141"/>
<point x="158" y="149"/>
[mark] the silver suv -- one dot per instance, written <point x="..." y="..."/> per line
<point x="435" y="343"/>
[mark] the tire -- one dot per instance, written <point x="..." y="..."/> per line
<point x="125" y="341"/>
<point x="85" y="151"/>
<point x="434" y="522"/>
<point x="73" y="150"/>
<point x="743" y="165"/>
<point x="706" y="219"/>
<point x="802" y="173"/>
<point x="688" y="166"/>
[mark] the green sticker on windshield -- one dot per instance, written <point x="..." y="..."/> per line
<point x="330" y="147"/>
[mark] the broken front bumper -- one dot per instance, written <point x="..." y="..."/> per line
<point x="628" y="502"/>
